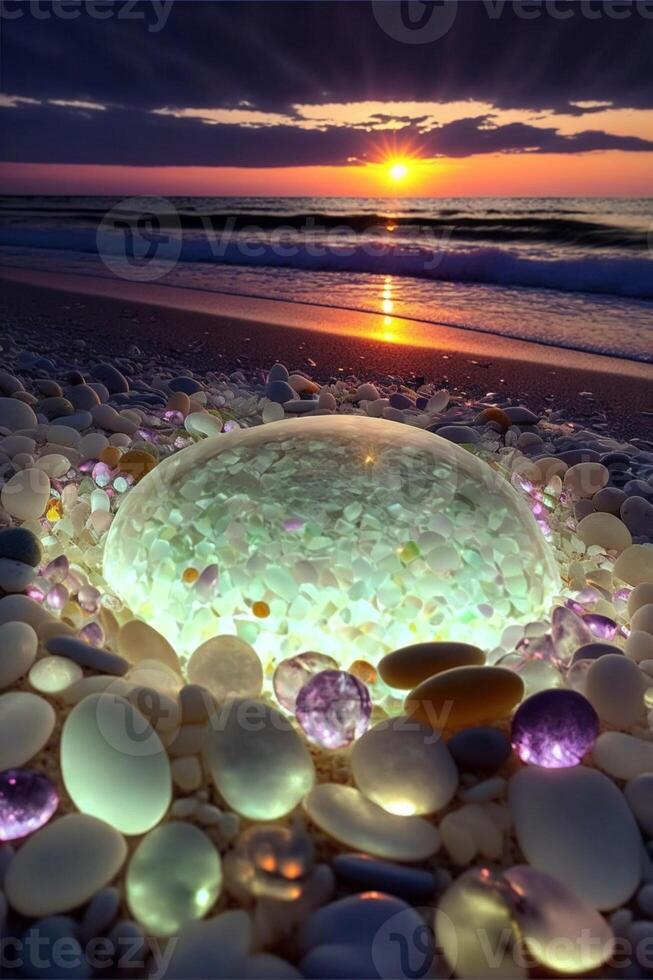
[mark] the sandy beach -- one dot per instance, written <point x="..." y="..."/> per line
<point x="214" y="331"/>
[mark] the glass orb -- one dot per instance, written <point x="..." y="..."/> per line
<point x="360" y="535"/>
<point x="554" y="729"/>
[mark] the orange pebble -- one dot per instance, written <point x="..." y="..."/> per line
<point x="190" y="575"/>
<point x="496" y="415"/>
<point x="364" y="671"/>
<point x="261" y="609"/>
<point x="111" y="456"/>
<point x="137" y="463"/>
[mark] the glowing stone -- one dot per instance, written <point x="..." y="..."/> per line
<point x="554" y="729"/>
<point x="359" y="534"/>
<point x="174" y="876"/>
<point x="333" y="708"/>
<point x="27" y="801"/>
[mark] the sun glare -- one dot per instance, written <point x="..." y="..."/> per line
<point x="397" y="171"/>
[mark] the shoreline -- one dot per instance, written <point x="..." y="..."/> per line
<point x="251" y="333"/>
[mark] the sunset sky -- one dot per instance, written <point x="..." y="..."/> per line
<point x="312" y="98"/>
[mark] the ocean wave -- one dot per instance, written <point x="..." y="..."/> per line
<point x="622" y="276"/>
<point x="530" y="227"/>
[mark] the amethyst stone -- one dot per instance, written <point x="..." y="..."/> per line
<point x="334" y="708"/>
<point x="27" y="801"/>
<point x="554" y="729"/>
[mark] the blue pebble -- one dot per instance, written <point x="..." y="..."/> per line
<point x="482" y="747"/>
<point x="371" y="874"/>
<point x="279" y="391"/>
<point x="397" y="400"/>
<point x="278" y="372"/>
<point x="189" y="386"/>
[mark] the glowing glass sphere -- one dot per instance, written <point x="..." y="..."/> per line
<point x="554" y="729"/>
<point x="359" y="535"/>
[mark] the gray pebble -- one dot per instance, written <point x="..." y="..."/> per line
<point x="102" y="661"/>
<point x="280" y="391"/>
<point x="608" y="500"/>
<point x="113" y="380"/>
<point x="459" y="434"/>
<point x="99" y="914"/>
<point x="19" y="544"/>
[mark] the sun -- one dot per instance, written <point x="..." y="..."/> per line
<point x="397" y="171"/>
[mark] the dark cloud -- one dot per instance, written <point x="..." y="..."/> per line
<point x="274" y="55"/>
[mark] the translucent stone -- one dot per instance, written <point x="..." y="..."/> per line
<point x="554" y="729"/>
<point x="228" y="500"/>
<point x="174" y="876"/>
<point x="27" y="801"/>
<point x="333" y="708"/>
<point x="563" y="932"/>
<point x="272" y="861"/>
<point x="114" y="765"/>
<point x="405" y="767"/>
<point x="227" y="667"/>
<point x="54" y="674"/>
<point x="259" y="764"/>
<point x="475" y="929"/>
<point x="569" y="632"/>
<point x="345" y="814"/>
<point x="291" y="674"/>
<point x="601" y="626"/>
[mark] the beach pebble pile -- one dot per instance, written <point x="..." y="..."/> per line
<point x="246" y="801"/>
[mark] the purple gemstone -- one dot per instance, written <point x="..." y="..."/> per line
<point x="568" y="632"/>
<point x="56" y="570"/>
<point x="93" y="634"/>
<point x="27" y="801"/>
<point x="601" y="626"/>
<point x="537" y="648"/>
<point x="334" y="708"/>
<point x="554" y="729"/>
<point x="291" y="675"/>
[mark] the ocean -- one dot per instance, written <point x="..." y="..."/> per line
<point x="569" y="272"/>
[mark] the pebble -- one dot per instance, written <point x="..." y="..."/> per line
<point x="606" y="531"/>
<point x="111" y="377"/>
<point x="345" y="814"/>
<point x="137" y="641"/>
<point x="639" y="794"/>
<point x="53" y="675"/>
<point x="26" y="723"/>
<point x="111" y="754"/>
<point x="20" y="608"/>
<point x="643" y="619"/>
<point x="189" y="386"/>
<point x="372" y="874"/>
<point x="615" y="687"/>
<point x="575" y="824"/>
<point x="259" y="764"/>
<point x="279" y="391"/>
<point x="637" y="515"/>
<point x="16" y="415"/>
<point x="15" y="576"/>
<point x="609" y="500"/>
<point x="18" y="646"/>
<point x="409" y="666"/>
<point x="594" y="650"/>
<point x="642" y="595"/>
<point x="639" y="646"/>
<point x="586" y="479"/>
<point x="460" y="434"/>
<point x="196" y="704"/>
<point x="164" y="895"/>
<point x="404" y="767"/>
<point x="635" y="565"/>
<point x="63" y="865"/>
<point x="227" y="667"/>
<point x="223" y="941"/>
<point x="465" y="696"/>
<point x="54" y="464"/>
<point x="100" y="913"/>
<point x="82" y="397"/>
<point x="25" y="495"/>
<point x="480" y="748"/>
<point x="19" y="544"/>
<point x="93" y="658"/>
<point x="623" y="756"/>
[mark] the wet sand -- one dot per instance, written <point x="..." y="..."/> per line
<point x="216" y="331"/>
